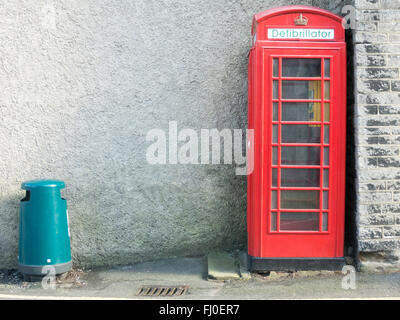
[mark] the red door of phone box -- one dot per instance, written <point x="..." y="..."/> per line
<point x="297" y="109"/>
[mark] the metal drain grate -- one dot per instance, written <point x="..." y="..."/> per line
<point x="155" y="291"/>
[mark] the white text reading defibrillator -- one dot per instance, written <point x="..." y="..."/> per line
<point x="317" y="34"/>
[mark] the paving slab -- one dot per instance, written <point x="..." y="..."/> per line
<point x="222" y="266"/>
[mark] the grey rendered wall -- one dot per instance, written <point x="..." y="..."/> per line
<point x="84" y="81"/>
<point x="377" y="125"/>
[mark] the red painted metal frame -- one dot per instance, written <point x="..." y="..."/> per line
<point x="262" y="241"/>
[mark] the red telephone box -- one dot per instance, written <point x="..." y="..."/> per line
<point x="297" y="109"/>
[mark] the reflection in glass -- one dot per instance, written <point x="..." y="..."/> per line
<point x="324" y="221"/>
<point x="300" y="155"/>
<point x="299" y="199"/>
<point x="275" y="133"/>
<point x="275" y="89"/>
<point x="274" y="200"/>
<point x="275" y="111"/>
<point x="301" y="133"/>
<point x="274" y="156"/>
<point x="327" y="90"/>
<point x="300" y="177"/>
<point x="299" y="221"/>
<point x="301" y="89"/>
<point x="326" y="156"/>
<point x="325" y="199"/>
<point x="326" y="178"/>
<point x="301" y="111"/>
<point x="326" y="112"/>
<point x="327" y="67"/>
<point x="326" y="134"/>
<point x="276" y="67"/>
<point x="273" y="221"/>
<point x="274" y="177"/>
<point x="299" y="67"/>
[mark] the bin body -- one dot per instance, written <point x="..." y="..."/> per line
<point x="44" y="238"/>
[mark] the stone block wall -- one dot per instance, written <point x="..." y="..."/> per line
<point x="377" y="124"/>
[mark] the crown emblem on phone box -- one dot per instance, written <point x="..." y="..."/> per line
<point x="300" y="20"/>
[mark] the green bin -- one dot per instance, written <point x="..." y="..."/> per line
<point x="44" y="238"/>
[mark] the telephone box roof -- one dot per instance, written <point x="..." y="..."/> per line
<point x="259" y="17"/>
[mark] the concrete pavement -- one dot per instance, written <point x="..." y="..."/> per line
<point x="124" y="283"/>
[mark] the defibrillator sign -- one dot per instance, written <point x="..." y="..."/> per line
<point x="309" y="34"/>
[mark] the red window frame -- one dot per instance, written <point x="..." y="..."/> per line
<point x="322" y="145"/>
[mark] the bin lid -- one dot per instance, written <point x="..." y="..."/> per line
<point x="31" y="184"/>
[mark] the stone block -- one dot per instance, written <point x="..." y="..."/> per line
<point x="390" y="4"/>
<point x="371" y="60"/>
